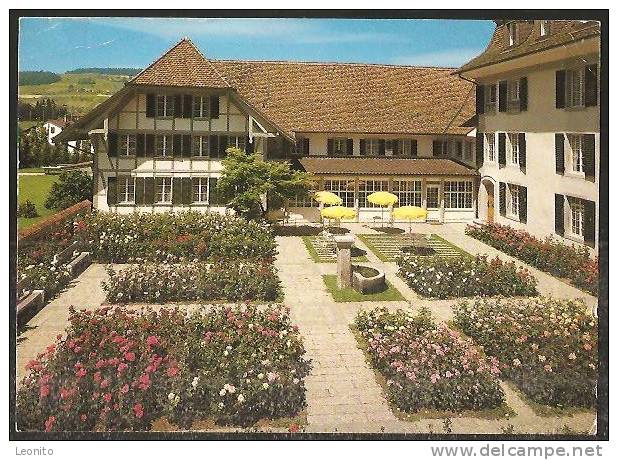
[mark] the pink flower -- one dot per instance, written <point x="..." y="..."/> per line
<point x="97" y="376"/>
<point x="81" y="372"/>
<point x="139" y="410"/>
<point x="152" y="341"/>
<point x="129" y="356"/>
<point x="107" y="397"/>
<point x="49" y="423"/>
<point x="44" y="391"/>
<point x="105" y="383"/>
<point x="124" y="389"/>
<point x="122" y="367"/>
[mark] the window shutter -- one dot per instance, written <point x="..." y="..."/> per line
<point x="560" y="89"/>
<point x="363" y="147"/>
<point x="523" y="204"/>
<point x="213" y="145"/>
<point x="187" y="190"/>
<point x="150" y="105"/>
<point x="350" y="146"/>
<point x="306" y="146"/>
<point x="589" y="156"/>
<point x="223" y="144"/>
<point x="141" y="144"/>
<point x="139" y="190"/>
<point x="590" y="85"/>
<point x="502" y="90"/>
<point x="213" y="196"/>
<point x="177" y="190"/>
<point x="177" y="145"/>
<point x="396" y="146"/>
<point x="330" y="146"/>
<point x="112" y="144"/>
<point x="187" y="105"/>
<point x="186" y="145"/>
<point x="178" y="105"/>
<point x="502" y="198"/>
<point x="589" y="221"/>
<point x="480" y="99"/>
<point x="502" y="149"/>
<point x="480" y="149"/>
<point x="112" y="190"/>
<point x="381" y="146"/>
<point x="149" y="188"/>
<point x="521" y="140"/>
<point x="414" y="148"/>
<point x="559" y="141"/>
<point x="214" y="106"/>
<point x="437" y="145"/>
<point x="194" y="182"/>
<point x="523" y="94"/>
<point x="150" y="147"/>
<point x="559" y="214"/>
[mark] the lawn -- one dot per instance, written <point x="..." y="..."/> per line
<point x="322" y="251"/>
<point x="35" y="189"/>
<point x="351" y="295"/>
<point x="388" y="246"/>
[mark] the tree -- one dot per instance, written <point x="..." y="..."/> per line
<point x="71" y="188"/>
<point x="246" y="178"/>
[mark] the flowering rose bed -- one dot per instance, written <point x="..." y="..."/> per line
<point x="148" y="236"/>
<point x="464" y="276"/>
<point x="428" y="366"/>
<point x="154" y="282"/>
<point x="552" y="256"/>
<point x="547" y="347"/>
<point x="119" y="369"/>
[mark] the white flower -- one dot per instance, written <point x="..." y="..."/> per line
<point x="225" y="353"/>
<point x="222" y="392"/>
<point x="195" y="382"/>
<point x="230" y="388"/>
<point x="171" y="396"/>
<point x="295" y="381"/>
<point x="265" y="385"/>
<point x="260" y="376"/>
<point x="572" y="356"/>
<point x="241" y="398"/>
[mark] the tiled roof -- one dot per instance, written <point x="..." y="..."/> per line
<point x="184" y="66"/>
<point x="399" y="166"/>
<point x="354" y="98"/>
<point x="58" y="122"/>
<point x="530" y="40"/>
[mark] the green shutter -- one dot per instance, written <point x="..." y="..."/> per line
<point x="112" y="190"/>
<point x="502" y="94"/>
<point x="590" y="86"/>
<point x="177" y="145"/>
<point x="330" y="146"/>
<point x="186" y="146"/>
<point x="502" y="198"/>
<point x="213" y="196"/>
<point x="502" y="149"/>
<point x="589" y="221"/>
<point x="187" y="191"/>
<point x="521" y="140"/>
<point x="213" y="146"/>
<point x="589" y="156"/>
<point x="150" y="145"/>
<point x="523" y="94"/>
<point x="141" y="144"/>
<point x="112" y="144"/>
<point x="139" y="190"/>
<point x="150" y="105"/>
<point x="214" y="106"/>
<point x="523" y="204"/>
<point x="149" y="189"/>
<point x="480" y="99"/>
<point x="177" y="190"/>
<point x="559" y="149"/>
<point x="560" y="89"/>
<point x="480" y="149"/>
<point x="559" y="214"/>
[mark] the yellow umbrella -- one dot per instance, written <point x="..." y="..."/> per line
<point x="325" y="197"/>
<point x="410" y="213"/>
<point x="338" y="213"/>
<point x="382" y="199"/>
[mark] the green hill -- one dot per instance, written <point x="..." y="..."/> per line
<point x="80" y="92"/>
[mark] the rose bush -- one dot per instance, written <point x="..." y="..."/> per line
<point x="155" y="282"/>
<point x="428" y="366"/>
<point x="463" y="276"/>
<point x="550" y="255"/>
<point x="547" y="347"/>
<point x="120" y="369"/>
<point x="137" y="237"/>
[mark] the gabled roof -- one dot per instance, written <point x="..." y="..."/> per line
<point x="386" y="166"/>
<point x="530" y="40"/>
<point x="354" y="98"/>
<point x="57" y="122"/>
<point x="184" y="66"/>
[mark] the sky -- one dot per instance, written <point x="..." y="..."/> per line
<point x="61" y="44"/>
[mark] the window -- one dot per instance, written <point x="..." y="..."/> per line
<point x="340" y="146"/>
<point x="165" y="106"/>
<point x="514" y="149"/>
<point x="126" y="189"/>
<point x="389" y="147"/>
<point x="200" y="146"/>
<point x="128" y="144"/>
<point x="513" y="87"/>
<point x="200" y="189"/>
<point x="459" y="149"/>
<point x="302" y="146"/>
<point x="577" y="153"/>
<point x="433" y="196"/>
<point x="490" y="147"/>
<point x="468" y="151"/>
<point x="408" y="192"/>
<point x="164" y="146"/>
<point x="440" y="147"/>
<point x="237" y="141"/>
<point x="343" y="188"/>
<point x="458" y="194"/>
<point x="574" y="88"/>
<point x="372" y="147"/>
<point x="512" y="33"/>
<point x="201" y="107"/>
<point x="544" y="26"/>
<point x="52" y="130"/>
<point x="490" y="98"/>
<point x="512" y="201"/>
<point x="405" y="147"/>
<point x="366" y="188"/>
<point x="163" y="189"/>
<point x="303" y="201"/>
<point x="577" y="217"/>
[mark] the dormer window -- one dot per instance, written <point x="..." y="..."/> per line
<point x="544" y="28"/>
<point x="512" y="31"/>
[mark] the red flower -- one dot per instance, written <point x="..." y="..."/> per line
<point x="81" y="372"/>
<point x="172" y="370"/>
<point x="105" y="383"/>
<point x="152" y="341"/>
<point x="44" y="391"/>
<point x="49" y="423"/>
<point x="122" y="367"/>
<point x="129" y="356"/>
<point x="97" y="376"/>
<point x="83" y="417"/>
<point x="144" y="381"/>
<point x="294" y="428"/>
<point x="139" y="410"/>
<point x="107" y="397"/>
<point x="124" y="389"/>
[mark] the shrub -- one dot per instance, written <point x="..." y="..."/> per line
<point x="548" y="347"/>
<point x="120" y="369"/>
<point x="71" y="188"/>
<point x="153" y="282"/>
<point x="428" y="366"/>
<point x="566" y="261"/>
<point x="463" y="276"/>
<point x="158" y="237"/>
<point x="27" y="209"/>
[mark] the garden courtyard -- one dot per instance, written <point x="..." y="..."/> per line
<point x="345" y="391"/>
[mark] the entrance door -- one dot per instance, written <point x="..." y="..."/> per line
<point x="433" y="196"/>
<point x="490" y="208"/>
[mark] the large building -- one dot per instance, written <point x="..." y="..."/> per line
<point x="359" y="128"/>
<point x="538" y="127"/>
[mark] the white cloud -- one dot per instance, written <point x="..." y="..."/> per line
<point x="96" y="45"/>
<point x="442" y="58"/>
